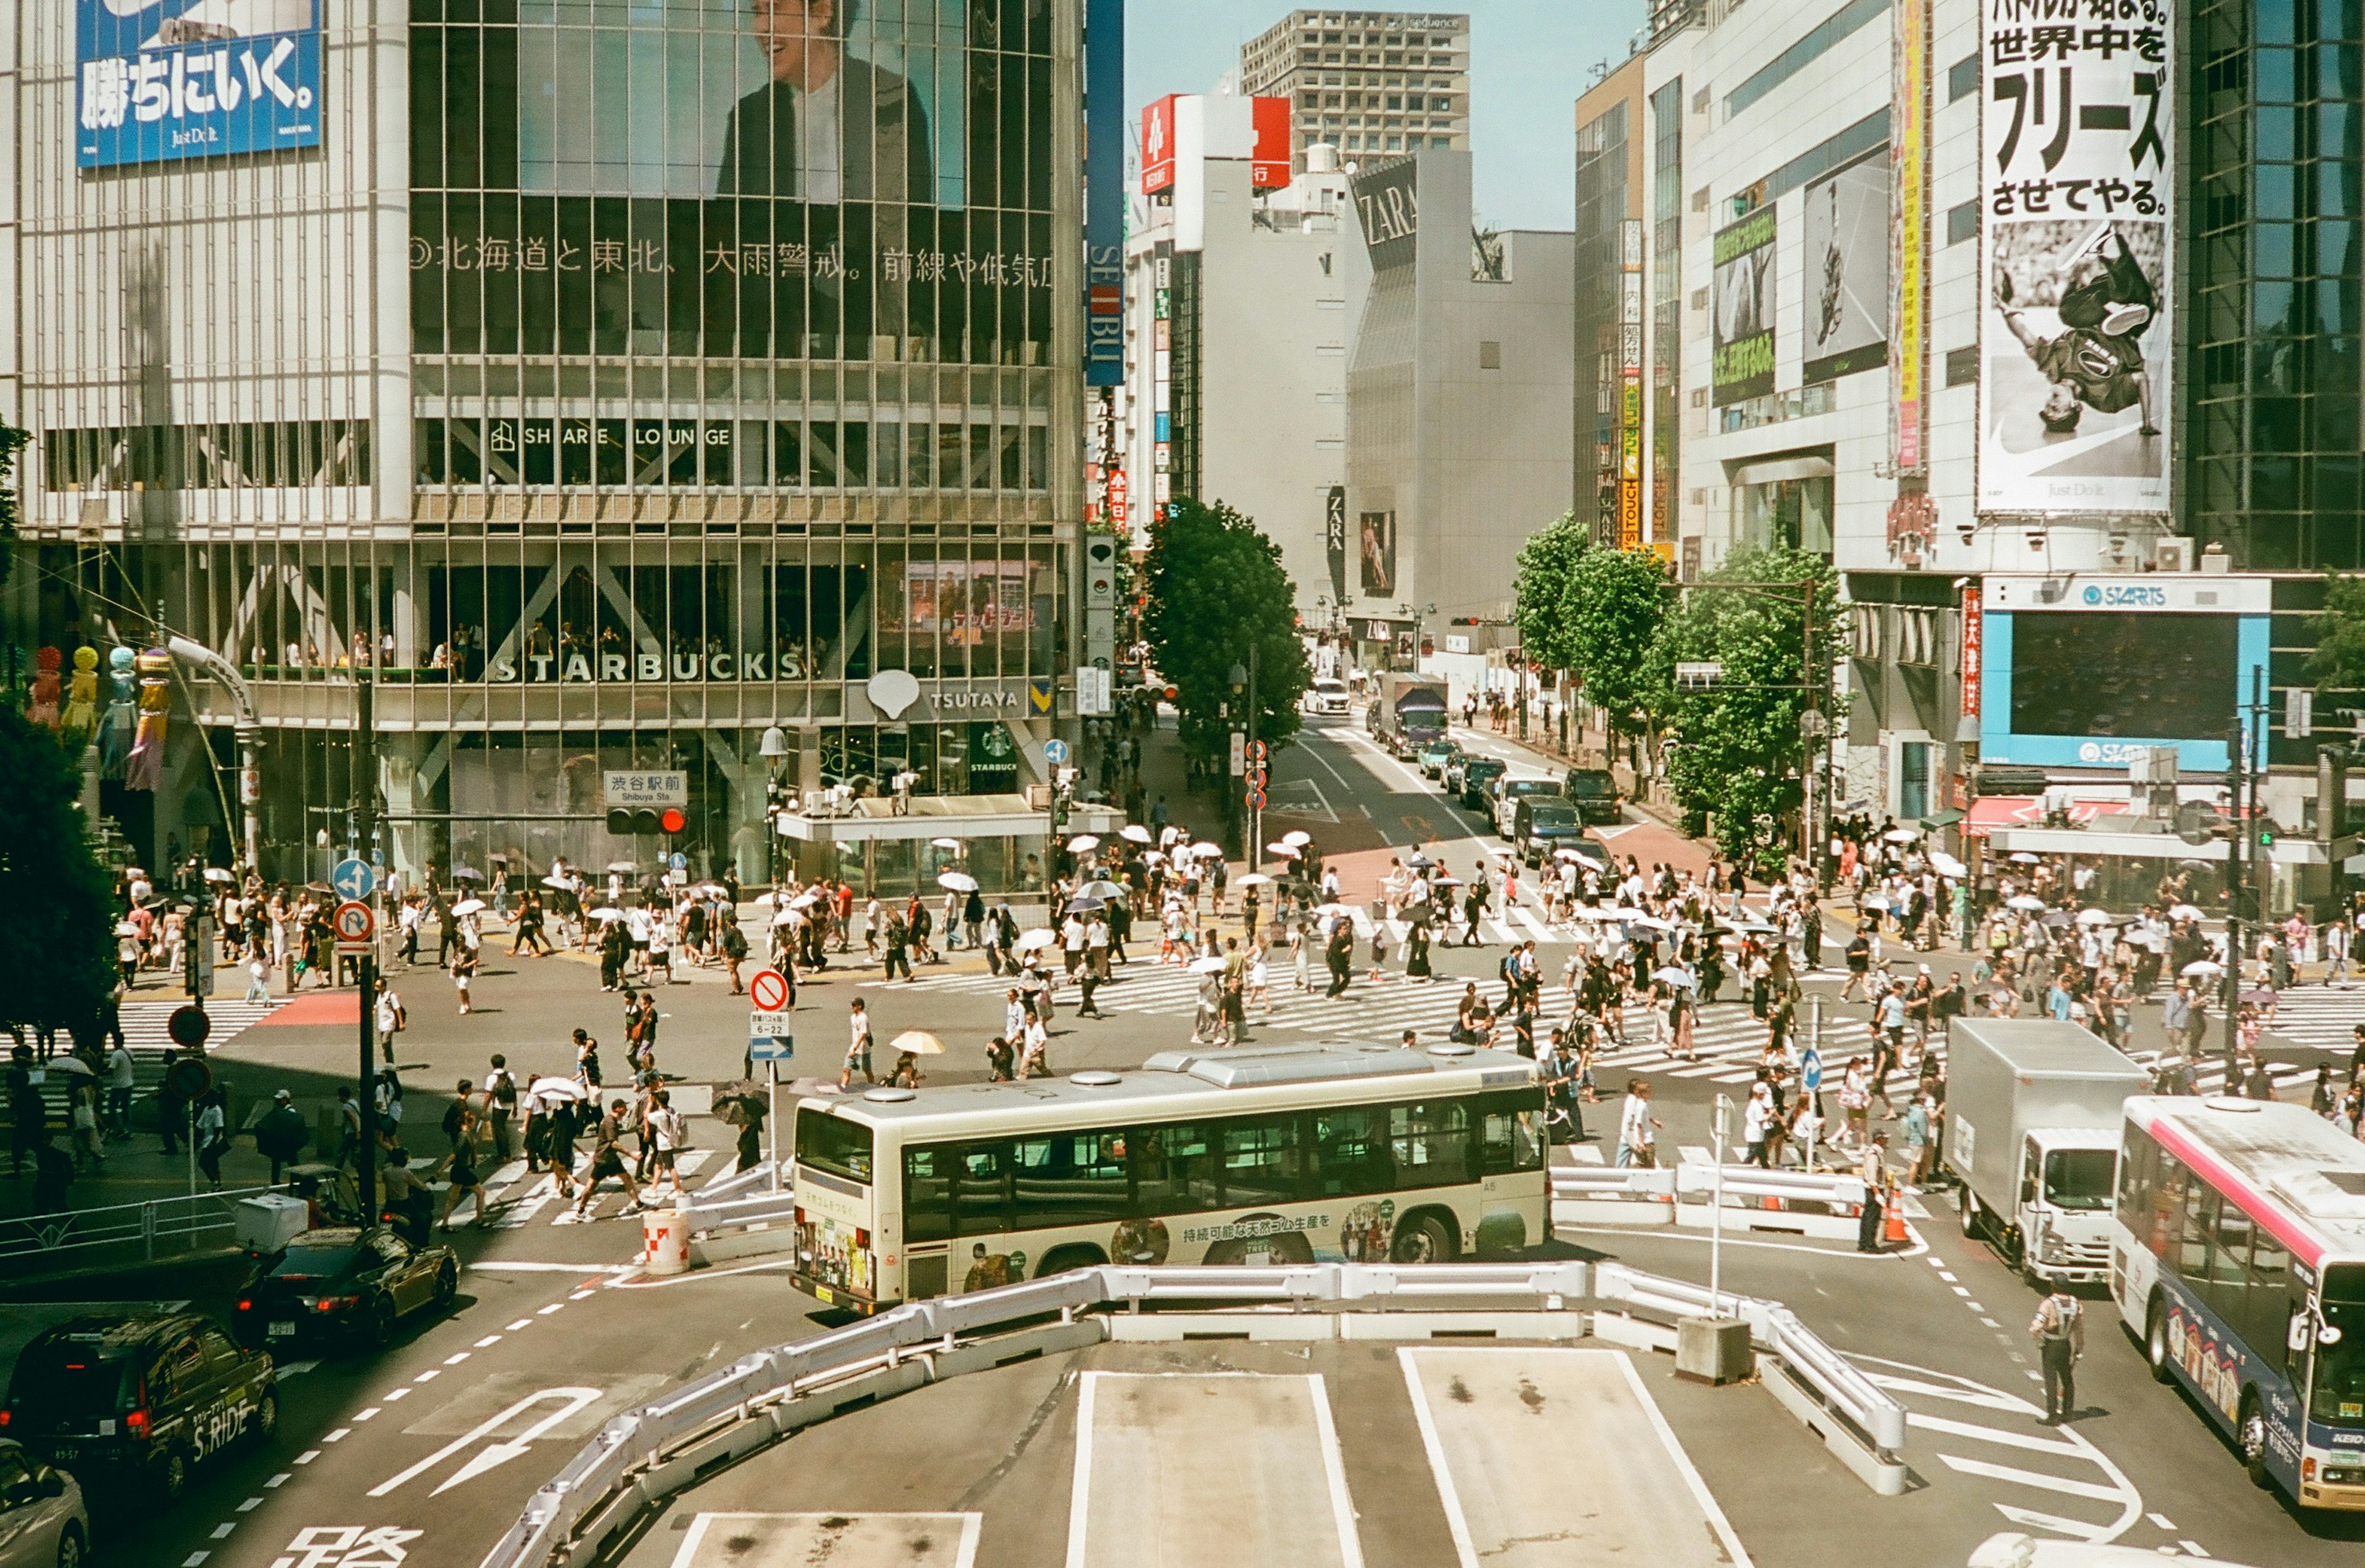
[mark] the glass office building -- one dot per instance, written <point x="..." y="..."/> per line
<point x="601" y="385"/>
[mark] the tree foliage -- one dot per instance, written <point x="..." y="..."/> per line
<point x="55" y="909"/>
<point x="2338" y="662"/>
<point x="1739" y="750"/>
<point x="12" y="439"/>
<point x="1611" y="612"/>
<point x="1539" y="593"/>
<point x="1215" y="588"/>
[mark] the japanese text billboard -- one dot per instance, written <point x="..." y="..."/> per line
<point x="1909" y="256"/>
<point x="1742" y="283"/>
<point x="716" y="178"/>
<point x="166" y="79"/>
<point x="2076" y="157"/>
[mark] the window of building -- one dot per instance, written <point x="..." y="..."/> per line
<point x="1490" y="353"/>
<point x="1963" y="366"/>
<point x="1963" y="222"/>
<point x="1963" y="77"/>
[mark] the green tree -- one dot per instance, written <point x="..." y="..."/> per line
<point x="12" y="439"/>
<point x="2338" y="662"/>
<point x="1540" y="592"/>
<point x="1215" y="588"/>
<point x="1611" y="614"/>
<point x="1738" y="749"/>
<point x="55" y="909"/>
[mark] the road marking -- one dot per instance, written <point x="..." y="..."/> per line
<point x="521" y="1323"/>
<point x="2193" y="1547"/>
<point x="340" y="1435"/>
<point x="1334" y="1469"/>
<point x="1961" y="1291"/>
<point x="249" y="1504"/>
<point x="292" y="1368"/>
<point x="499" y="1452"/>
<point x="554" y="1306"/>
<point x="365" y="1414"/>
<point x="307" y="1457"/>
<point x="2076" y="1529"/>
<point x="2160" y="1522"/>
<point x="1992" y="1435"/>
<point x="221" y="1530"/>
<point x="1080" y="1496"/>
<point x="429" y="1375"/>
<point x="1991" y="1322"/>
<point x="193" y="1557"/>
<point x="579" y="1295"/>
<point x="457" y="1357"/>
<point x="488" y="1339"/>
<point x="391" y="1395"/>
<point x="279" y="1480"/>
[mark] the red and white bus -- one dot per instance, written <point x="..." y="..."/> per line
<point x="2238" y="1255"/>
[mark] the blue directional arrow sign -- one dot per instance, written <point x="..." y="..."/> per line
<point x="1811" y="1069"/>
<point x="763" y="1047"/>
<point x="353" y="879"/>
<point x="1055" y="752"/>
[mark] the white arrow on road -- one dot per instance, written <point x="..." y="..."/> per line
<point x="496" y="1453"/>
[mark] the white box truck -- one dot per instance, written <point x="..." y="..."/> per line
<point x="2032" y="1120"/>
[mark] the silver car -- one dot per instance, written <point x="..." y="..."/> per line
<point x="42" y="1523"/>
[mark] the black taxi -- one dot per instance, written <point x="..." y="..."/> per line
<point x="143" y="1397"/>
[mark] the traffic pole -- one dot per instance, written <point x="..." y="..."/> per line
<point x="365" y="1158"/>
<point x="773" y="1124"/>
<point x="1715" y="1218"/>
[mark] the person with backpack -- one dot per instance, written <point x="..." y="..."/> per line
<point x="668" y="1135"/>
<point x="280" y="1135"/>
<point x="734" y="950"/>
<point x="502" y="1097"/>
<point x="2059" y="1330"/>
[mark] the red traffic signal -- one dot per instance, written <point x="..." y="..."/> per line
<point x="671" y="820"/>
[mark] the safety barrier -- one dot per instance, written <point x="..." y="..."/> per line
<point x="1816" y="1203"/>
<point x="157" y="1229"/>
<point x="644" y="1457"/>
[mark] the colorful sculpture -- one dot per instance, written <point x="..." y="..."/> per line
<point x="41" y="705"/>
<point x="144" y="768"/>
<point x="81" y="720"/>
<point x="115" y="733"/>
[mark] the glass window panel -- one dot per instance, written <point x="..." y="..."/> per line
<point x="981" y="1178"/>
<point x="1072" y="1178"/>
<point x="928" y="1194"/>
<point x="1175" y="1168"/>
<point x="1431" y="1142"/>
<point x="1351" y="1151"/>
<point x="1261" y="1164"/>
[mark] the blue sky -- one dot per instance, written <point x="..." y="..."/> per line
<point x="1528" y="61"/>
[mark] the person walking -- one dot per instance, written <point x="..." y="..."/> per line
<point x="119" y="1081"/>
<point x="1638" y="1130"/>
<point x="608" y="1158"/>
<point x="858" y="1046"/>
<point x="281" y="1135"/>
<point x="1874" y="1173"/>
<point x="500" y="1106"/>
<point x="388" y="1019"/>
<point x="2059" y="1330"/>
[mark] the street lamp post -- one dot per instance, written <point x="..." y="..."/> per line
<point x="1253" y="815"/>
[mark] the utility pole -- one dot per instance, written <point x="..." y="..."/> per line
<point x="2247" y="741"/>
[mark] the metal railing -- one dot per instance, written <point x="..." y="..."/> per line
<point x="623" y="1466"/>
<point x="158" y="1228"/>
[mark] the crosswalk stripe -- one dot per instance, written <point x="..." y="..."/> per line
<point x="2037" y="1479"/>
<point x="2009" y="1438"/>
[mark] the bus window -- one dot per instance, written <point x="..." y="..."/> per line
<point x="2193" y="1250"/>
<point x="2138" y="1175"/>
<point x="826" y="1142"/>
<point x="1351" y="1151"/>
<point x="1175" y="1172"/>
<point x="1260" y="1160"/>
<point x="2165" y="1222"/>
<point x="981" y="1188"/>
<point x="2230" y="1265"/>
<point x="1511" y="1136"/>
<point x="1431" y="1143"/>
<point x="928" y="1194"/>
<point x="2270" y="1304"/>
<point x="1069" y="1179"/>
<point x="2337" y="1396"/>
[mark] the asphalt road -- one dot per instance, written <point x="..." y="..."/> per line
<point x="447" y="1433"/>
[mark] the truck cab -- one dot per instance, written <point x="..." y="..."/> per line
<point x="2068" y="1177"/>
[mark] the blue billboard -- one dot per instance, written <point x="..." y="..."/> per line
<point x="166" y="79"/>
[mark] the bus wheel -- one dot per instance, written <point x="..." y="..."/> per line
<point x="1065" y="1260"/>
<point x="1420" y="1240"/>
<point x="2155" y="1341"/>
<point x="2250" y="1432"/>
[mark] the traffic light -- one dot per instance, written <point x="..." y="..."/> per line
<point x="2266" y="832"/>
<point x="672" y="820"/>
<point x="626" y="822"/>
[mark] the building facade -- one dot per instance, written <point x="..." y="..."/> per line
<point x="1240" y="304"/>
<point x="1460" y="389"/>
<point x="573" y="389"/>
<point x="1611" y="136"/>
<point x="1368" y="82"/>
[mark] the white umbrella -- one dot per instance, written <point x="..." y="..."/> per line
<point x="1652" y="921"/>
<point x="804" y="901"/>
<point x="1299" y="839"/>
<point x="1136" y="833"/>
<point x="556" y="1089"/>
<point x="558" y="884"/>
<point x="2201" y="968"/>
<point x="945" y="843"/>
<point x="1286" y="851"/>
<point x="217" y="874"/>
<point x="918" y="1043"/>
<point x="764" y="901"/>
<point x="1207" y="965"/>
<point x="467" y="906"/>
<point x="1082" y="844"/>
<point x="784" y="917"/>
<point x="1100" y="887"/>
<point x="2024" y="901"/>
<point x="604" y="913"/>
<point x="1203" y="847"/>
<point x="2096" y="917"/>
<point x="1254" y="879"/>
<point x="1566" y="855"/>
<point x="125" y="928"/>
<point x="959" y="882"/>
<point x="1876" y="901"/>
<point x="1035" y="941"/>
<point x="1901" y="836"/>
<point x="2152" y="941"/>
<point x="1670" y="975"/>
<point x="1947" y="865"/>
<point x="2022" y="857"/>
<point x="2184" y="911"/>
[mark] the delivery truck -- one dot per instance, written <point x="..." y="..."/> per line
<point x="2033" y="1121"/>
<point x="1407" y="712"/>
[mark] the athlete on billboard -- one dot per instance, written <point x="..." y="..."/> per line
<point x="2097" y="361"/>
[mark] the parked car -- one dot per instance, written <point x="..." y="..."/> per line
<point x="1593" y="793"/>
<point x="1327" y="696"/>
<point x="1544" y="823"/>
<point x="346" y="1285"/>
<point x="142" y="1397"/>
<point x="1471" y="779"/>
<point x="1509" y="792"/>
<point x="1434" y="754"/>
<point x="42" y="1521"/>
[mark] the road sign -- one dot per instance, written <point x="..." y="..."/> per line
<point x="677" y="861"/>
<point x="189" y="1078"/>
<point x="1055" y="752"/>
<point x="354" y="924"/>
<point x="763" y="1025"/>
<point x="642" y="786"/>
<point x="353" y="878"/>
<point x="1256" y="776"/>
<point x="1258" y="751"/>
<point x="1811" y="1069"/>
<point x="1698" y="675"/>
<point x="768" y="990"/>
<point x="1256" y="800"/>
<point x="188" y="1026"/>
<point x="776" y="1049"/>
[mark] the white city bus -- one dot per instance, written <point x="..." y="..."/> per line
<point x="1281" y="1154"/>
<point x="2237" y="1254"/>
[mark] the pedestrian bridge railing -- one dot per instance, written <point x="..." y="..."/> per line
<point x="640" y="1460"/>
<point x="161" y="1227"/>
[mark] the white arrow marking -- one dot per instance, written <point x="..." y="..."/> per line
<point x="576" y="1399"/>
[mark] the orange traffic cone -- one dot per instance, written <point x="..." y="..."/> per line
<point x="1893" y="1219"/>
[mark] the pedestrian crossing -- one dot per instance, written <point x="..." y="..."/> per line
<point x="152" y="1048"/>
<point x="518" y="1198"/>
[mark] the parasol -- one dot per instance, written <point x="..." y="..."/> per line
<point x="918" y="1043"/>
<point x="1035" y="941"/>
<point x="957" y="881"/>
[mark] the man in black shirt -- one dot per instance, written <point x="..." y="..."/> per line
<point x="828" y="127"/>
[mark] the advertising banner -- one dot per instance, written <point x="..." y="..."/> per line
<point x="164" y="79"/>
<point x="1846" y="329"/>
<point x="1387" y="201"/>
<point x="1104" y="193"/>
<point x="1629" y="385"/>
<point x="711" y="179"/>
<point x="1379" y="554"/>
<point x="1270" y="159"/>
<point x="1909" y="274"/>
<point x="1743" y="364"/>
<point x="2076" y="158"/>
<point x="1158" y="145"/>
<point x="1334" y="540"/>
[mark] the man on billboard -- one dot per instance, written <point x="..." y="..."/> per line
<point x="828" y="127"/>
<point x="2096" y="362"/>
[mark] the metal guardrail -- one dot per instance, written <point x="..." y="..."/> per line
<point x="1745" y="1186"/>
<point x="158" y="1228"/>
<point x="743" y="1198"/>
<point x="628" y="1450"/>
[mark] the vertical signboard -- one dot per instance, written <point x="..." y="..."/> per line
<point x="1974" y="634"/>
<point x="1334" y="540"/>
<point x="1743" y="361"/>
<point x="1269" y="159"/>
<point x="2076" y="195"/>
<point x="1387" y="203"/>
<point x="1104" y="193"/>
<point x="1629" y="385"/>
<point x="172" y="79"/>
<point x="1847" y="243"/>
<point x="1909" y="240"/>
<point x="1158" y="146"/>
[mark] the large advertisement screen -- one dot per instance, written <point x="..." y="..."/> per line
<point x="2077" y="143"/>
<point x="1847" y="270"/>
<point x="733" y="178"/>
<point x="1744" y="286"/>
<point x="166" y="79"/>
<point x="2155" y="677"/>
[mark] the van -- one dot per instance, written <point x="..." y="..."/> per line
<point x="1541" y="824"/>
<point x="1593" y="793"/>
<point x="1327" y="696"/>
<point x="1509" y="792"/>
